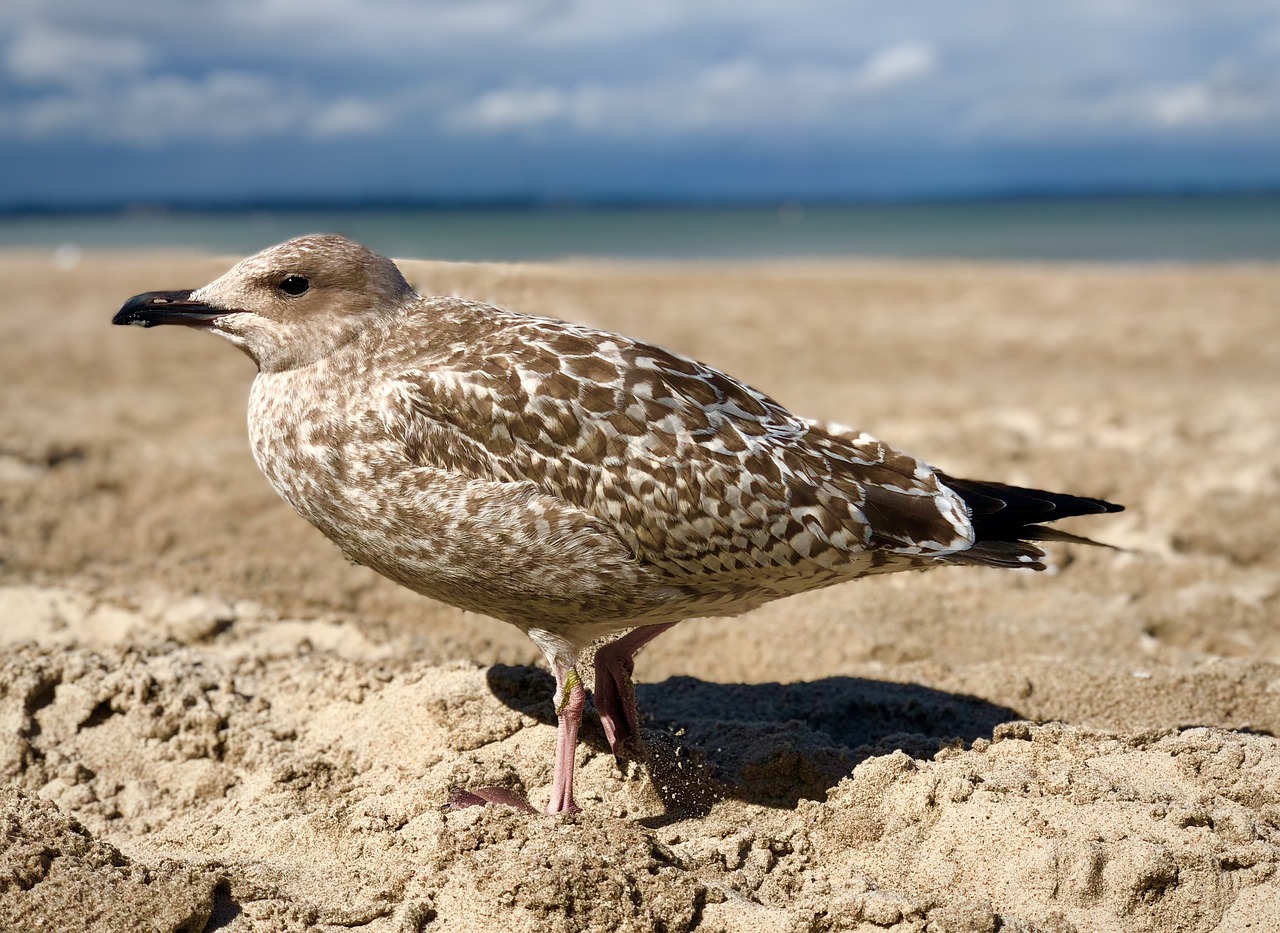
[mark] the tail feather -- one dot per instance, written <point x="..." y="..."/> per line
<point x="1005" y="518"/>
<point x="1013" y="554"/>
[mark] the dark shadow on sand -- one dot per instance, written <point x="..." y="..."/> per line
<point x="770" y="744"/>
<point x="226" y="909"/>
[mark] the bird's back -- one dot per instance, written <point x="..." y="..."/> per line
<point x="711" y="482"/>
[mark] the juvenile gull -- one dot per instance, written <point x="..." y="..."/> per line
<point x="575" y="483"/>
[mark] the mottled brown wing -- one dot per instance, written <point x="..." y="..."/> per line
<point x="697" y="472"/>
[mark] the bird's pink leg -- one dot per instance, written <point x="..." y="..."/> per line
<point x="570" y="699"/>
<point x="615" y="695"/>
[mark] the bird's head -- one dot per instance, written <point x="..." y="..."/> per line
<point x="289" y="305"/>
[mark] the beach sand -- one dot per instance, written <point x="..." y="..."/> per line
<point x="209" y="720"/>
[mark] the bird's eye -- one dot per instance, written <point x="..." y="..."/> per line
<point x="295" y="285"/>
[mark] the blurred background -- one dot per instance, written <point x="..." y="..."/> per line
<point x="532" y="129"/>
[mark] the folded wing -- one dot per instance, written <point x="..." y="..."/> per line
<point x="698" y="473"/>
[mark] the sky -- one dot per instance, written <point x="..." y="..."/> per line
<point x="702" y="100"/>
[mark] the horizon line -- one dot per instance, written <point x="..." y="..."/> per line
<point x="534" y="203"/>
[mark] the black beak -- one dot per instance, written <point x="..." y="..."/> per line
<point x="152" y="308"/>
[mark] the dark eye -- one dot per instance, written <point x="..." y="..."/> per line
<point x="295" y="285"/>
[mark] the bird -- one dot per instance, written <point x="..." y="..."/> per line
<point x="584" y="486"/>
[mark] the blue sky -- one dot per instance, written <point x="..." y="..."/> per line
<point x="667" y="99"/>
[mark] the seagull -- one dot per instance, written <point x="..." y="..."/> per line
<point x="581" y="485"/>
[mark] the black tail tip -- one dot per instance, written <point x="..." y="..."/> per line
<point x="1003" y="512"/>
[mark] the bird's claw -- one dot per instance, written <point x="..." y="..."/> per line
<point x="482" y="796"/>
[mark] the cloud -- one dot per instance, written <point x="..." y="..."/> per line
<point x="512" y="108"/>
<point x="1214" y="103"/>
<point x="1185" y="104"/>
<point x="163" y="110"/>
<point x="733" y="96"/>
<point x="49" y="56"/>
<point x="108" y="88"/>
<point x="347" y="116"/>
<point x="898" y="64"/>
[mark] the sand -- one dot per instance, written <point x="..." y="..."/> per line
<point x="210" y="721"/>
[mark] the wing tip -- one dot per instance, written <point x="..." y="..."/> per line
<point x="1003" y="512"/>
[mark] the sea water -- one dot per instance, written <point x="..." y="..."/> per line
<point x="1148" y="229"/>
